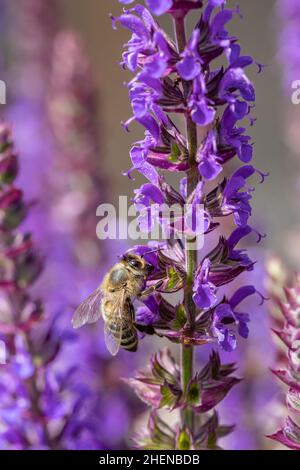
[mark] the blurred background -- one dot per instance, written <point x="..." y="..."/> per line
<point x="66" y="99"/>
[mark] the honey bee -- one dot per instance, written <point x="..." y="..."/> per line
<point x="113" y="300"/>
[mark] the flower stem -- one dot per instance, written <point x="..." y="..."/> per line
<point x="187" y="352"/>
<point x="186" y="365"/>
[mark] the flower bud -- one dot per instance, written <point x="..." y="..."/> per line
<point x="12" y="209"/>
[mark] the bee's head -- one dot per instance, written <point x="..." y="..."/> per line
<point x="137" y="263"/>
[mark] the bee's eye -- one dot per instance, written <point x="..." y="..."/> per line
<point x="134" y="263"/>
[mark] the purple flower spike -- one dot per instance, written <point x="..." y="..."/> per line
<point x="34" y="412"/>
<point x="180" y="76"/>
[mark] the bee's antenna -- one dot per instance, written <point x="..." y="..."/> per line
<point x="152" y="251"/>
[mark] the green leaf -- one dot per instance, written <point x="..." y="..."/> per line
<point x="173" y="278"/>
<point x="175" y="153"/>
<point x="13" y="216"/>
<point x="175" y="282"/>
<point x="193" y="393"/>
<point x="184" y="441"/>
<point x="212" y="441"/>
<point x="5" y="146"/>
<point x="180" y="318"/>
<point x="160" y="371"/>
<point x="170" y="396"/>
<point x="158" y="435"/>
<point x="223" y="431"/>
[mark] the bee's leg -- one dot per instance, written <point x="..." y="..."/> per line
<point x="147" y="329"/>
<point x="145" y="293"/>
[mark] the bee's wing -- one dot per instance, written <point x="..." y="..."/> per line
<point x="113" y="341"/>
<point x="113" y="328"/>
<point x="89" y="311"/>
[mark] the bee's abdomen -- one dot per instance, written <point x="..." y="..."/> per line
<point x="129" y="338"/>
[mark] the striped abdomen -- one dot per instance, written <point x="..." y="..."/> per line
<point x="129" y="337"/>
<point x="122" y="324"/>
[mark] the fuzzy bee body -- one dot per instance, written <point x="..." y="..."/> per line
<point x="129" y="337"/>
<point x="113" y="300"/>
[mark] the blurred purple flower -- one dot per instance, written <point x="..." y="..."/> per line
<point x="158" y="7"/>
<point x="285" y="300"/>
<point x="288" y="15"/>
<point x="32" y="346"/>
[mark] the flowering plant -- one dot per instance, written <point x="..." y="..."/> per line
<point x="181" y="78"/>
<point x="42" y="406"/>
<point x="285" y="298"/>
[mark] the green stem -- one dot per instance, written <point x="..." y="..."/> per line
<point x="187" y="352"/>
<point x="187" y="366"/>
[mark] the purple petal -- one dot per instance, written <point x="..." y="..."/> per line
<point x="139" y="163"/>
<point x="246" y="153"/>
<point x="205" y="296"/>
<point x="151" y="125"/>
<point x="203" y="114"/>
<point x="245" y="171"/>
<point x="235" y="79"/>
<point x="158" y="7"/>
<point x="188" y="68"/>
<point x="209" y="168"/>
<point x="143" y="250"/>
<point x="241" y="294"/>
<point x="156" y="67"/>
<point x="149" y="192"/>
<point x="224" y="312"/>
<point x="134" y="24"/>
<point x="237" y="235"/>
<point x="243" y="328"/>
<point x="149" y="312"/>
<point x="219" y="21"/>
<point x="229" y="340"/>
<point x="211" y="5"/>
<point x="183" y="187"/>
